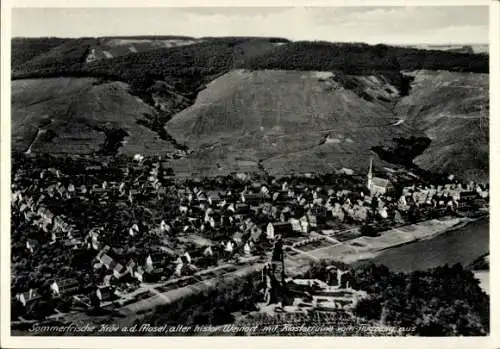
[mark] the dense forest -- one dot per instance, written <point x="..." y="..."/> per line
<point x="24" y="49"/>
<point x="64" y="59"/>
<point x="204" y="58"/>
<point x="444" y="301"/>
<point x="403" y="151"/>
<point x="192" y="65"/>
<point x="357" y="58"/>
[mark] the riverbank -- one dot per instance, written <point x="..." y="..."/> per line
<point x="481" y="269"/>
<point x="462" y="243"/>
<point x="398" y="237"/>
<point x="364" y="249"/>
<point x="416" y="247"/>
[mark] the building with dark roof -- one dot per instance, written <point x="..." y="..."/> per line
<point x="378" y="185"/>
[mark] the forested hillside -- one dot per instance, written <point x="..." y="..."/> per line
<point x="360" y="58"/>
<point x="444" y="301"/>
<point x="213" y="56"/>
<point x="24" y="49"/>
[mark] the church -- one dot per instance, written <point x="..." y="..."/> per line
<point x="378" y="185"/>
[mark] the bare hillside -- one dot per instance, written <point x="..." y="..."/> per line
<point x="71" y="115"/>
<point x="290" y="121"/>
<point x="452" y="109"/>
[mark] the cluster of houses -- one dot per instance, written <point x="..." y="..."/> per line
<point x="52" y="227"/>
<point x="184" y="227"/>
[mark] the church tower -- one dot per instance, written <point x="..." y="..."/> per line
<point x="274" y="275"/>
<point x="370" y="176"/>
<point x="278" y="261"/>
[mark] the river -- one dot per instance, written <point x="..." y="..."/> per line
<point x="462" y="245"/>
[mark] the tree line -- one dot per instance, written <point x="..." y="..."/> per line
<point x="189" y="65"/>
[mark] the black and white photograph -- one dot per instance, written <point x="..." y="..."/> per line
<point x="249" y="171"/>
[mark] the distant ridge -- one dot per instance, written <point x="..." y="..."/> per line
<point x="463" y="48"/>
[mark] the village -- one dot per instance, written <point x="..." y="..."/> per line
<point x="127" y="236"/>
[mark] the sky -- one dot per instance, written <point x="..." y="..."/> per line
<point x="392" y="25"/>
